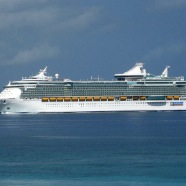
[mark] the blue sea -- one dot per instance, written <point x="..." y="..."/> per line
<point x="93" y="149"/>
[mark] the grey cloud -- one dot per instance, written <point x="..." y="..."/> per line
<point x="26" y="18"/>
<point x="9" y="5"/>
<point x="168" y="4"/>
<point x="165" y="50"/>
<point x="25" y="24"/>
<point x="81" y="20"/>
<point x="52" y="18"/>
<point x="34" y="55"/>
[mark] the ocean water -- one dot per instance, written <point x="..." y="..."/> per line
<point x="93" y="149"/>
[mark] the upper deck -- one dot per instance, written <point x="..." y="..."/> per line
<point x="135" y="82"/>
<point x="136" y="76"/>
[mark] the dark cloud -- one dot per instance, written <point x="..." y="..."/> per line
<point x="83" y="38"/>
<point x="39" y="26"/>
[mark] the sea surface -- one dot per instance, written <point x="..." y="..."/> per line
<point x="93" y="149"/>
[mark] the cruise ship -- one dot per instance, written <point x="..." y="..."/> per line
<point x="133" y="90"/>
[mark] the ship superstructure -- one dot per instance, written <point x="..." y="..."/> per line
<point x="134" y="90"/>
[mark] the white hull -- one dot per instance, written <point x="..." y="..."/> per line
<point x="36" y="106"/>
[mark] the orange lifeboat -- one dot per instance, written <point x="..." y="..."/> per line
<point x="82" y="99"/>
<point x="74" y="98"/>
<point x="169" y="97"/>
<point x="176" y="97"/>
<point x="103" y="98"/>
<point x="60" y="99"/>
<point x="44" y="99"/>
<point x="111" y="98"/>
<point x="67" y="99"/>
<point x="52" y="99"/>
<point x="96" y="98"/>
<point x="142" y="97"/>
<point x="123" y="98"/>
<point x="88" y="98"/>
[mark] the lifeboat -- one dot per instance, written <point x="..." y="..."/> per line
<point x="96" y="98"/>
<point x="142" y="97"/>
<point x="44" y="99"/>
<point x="88" y="98"/>
<point x="103" y="98"/>
<point x="135" y="97"/>
<point x="111" y="98"/>
<point x="82" y="99"/>
<point x="176" y="97"/>
<point x="123" y="98"/>
<point x="169" y="97"/>
<point x="52" y="99"/>
<point x="67" y="99"/>
<point x="74" y="98"/>
<point x="60" y="99"/>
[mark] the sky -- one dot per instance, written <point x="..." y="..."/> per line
<point x="82" y="38"/>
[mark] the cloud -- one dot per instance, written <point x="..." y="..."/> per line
<point x="27" y="18"/>
<point x="30" y="23"/>
<point x="168" y="4"/>
<point x="34" y="55"/>
<point x="7" y="5"/>
<point x="165" y="50"/>
<point x="81" y="20"/>
<point x="54" y="18"/>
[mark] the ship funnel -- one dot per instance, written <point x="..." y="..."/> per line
<point x="165" y="73"/>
